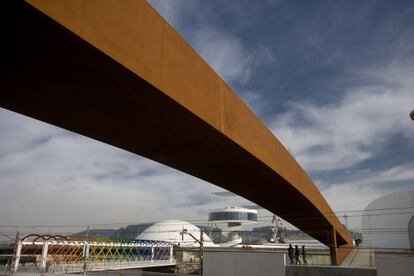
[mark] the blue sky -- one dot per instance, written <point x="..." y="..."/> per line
<point x="334" y="80"/>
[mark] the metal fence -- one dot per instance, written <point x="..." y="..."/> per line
<point x="5" y="271"/>
<point x="78" y="256"/>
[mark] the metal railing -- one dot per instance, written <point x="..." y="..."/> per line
<point x="67" y="256"/>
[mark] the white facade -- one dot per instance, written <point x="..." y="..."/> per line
<point x="232" y="214"/>
<point x="385" y="223"/>
<point x="172" y="231"/>
<point x="411" y="232"/>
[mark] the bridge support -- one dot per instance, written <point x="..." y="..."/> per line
<point x="333" y="247"/>
<point x="43" y="261"/>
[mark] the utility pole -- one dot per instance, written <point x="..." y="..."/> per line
<point x="201" y="251"/>
<point x="200" y="242"/>
<point x="369" y="229"/>
<point x="346" y="220"/>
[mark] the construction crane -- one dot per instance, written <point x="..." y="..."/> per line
<point x="276" y="230"/>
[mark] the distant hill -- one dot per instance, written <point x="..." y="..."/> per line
<point x="129" y="232"/>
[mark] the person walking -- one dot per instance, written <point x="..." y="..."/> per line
<point x="290" y="253"/>
<point x="304" y="255"/>
<point x="297" y="254"/>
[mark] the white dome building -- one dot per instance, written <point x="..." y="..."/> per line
<point x="411" y="232"/>
<point x="386" y="221"/>
<point x="172" y="231"/>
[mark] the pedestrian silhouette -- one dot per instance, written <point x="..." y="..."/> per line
<point x="290" y="253"/>
<point x="304" y="255"/>
<point x="297" y="254"/>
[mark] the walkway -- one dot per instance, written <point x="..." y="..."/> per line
<point x="360" y="257"/>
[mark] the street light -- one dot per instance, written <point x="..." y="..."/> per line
<point x="412" y="115"/>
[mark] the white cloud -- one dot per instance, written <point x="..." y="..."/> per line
<point x="367" y="185"/>
<point x="70" y="179"/>
<point x="362" y="188"/>
<point x="171" y="10"/>
<point x="19" y="138"/>
<point x="229" y="56"/>
<point x="223" y="51"/>
<point x="342" y="134"/>
<point x="391" y="175"/>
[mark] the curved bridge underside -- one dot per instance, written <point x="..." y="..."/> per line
<point x="120" y="74"/>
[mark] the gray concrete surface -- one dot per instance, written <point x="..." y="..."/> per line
<point x="302" y="270"/>
<point x="360" y="257"/>
<point x="247" y="263"/>
<point x="253" y="263"/>
<point x="394" y="265"/>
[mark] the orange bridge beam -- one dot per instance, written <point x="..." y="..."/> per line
<point x="117" y="72"/>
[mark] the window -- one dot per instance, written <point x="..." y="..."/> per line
<point x="232" y="216"/>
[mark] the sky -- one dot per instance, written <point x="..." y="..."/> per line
<point x="333" y="80"/>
